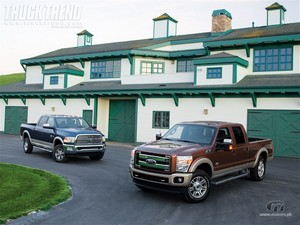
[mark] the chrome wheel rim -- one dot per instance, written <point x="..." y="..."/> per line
<point x="25" y="145"/>
<point x="261" y="168"/>
<point x="59" y="154"/>
<point x="198" y="187"/>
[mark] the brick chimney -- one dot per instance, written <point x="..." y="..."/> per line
<point x="221" y="21"/>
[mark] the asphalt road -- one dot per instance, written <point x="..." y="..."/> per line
<point x="103" y="193"/>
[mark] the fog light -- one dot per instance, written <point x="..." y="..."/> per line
<point x="178" y="180"/>
<point x="69" y="149"/>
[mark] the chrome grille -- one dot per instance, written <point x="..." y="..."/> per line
<point x="89" y="139"/>
<point x="153" y="162"/>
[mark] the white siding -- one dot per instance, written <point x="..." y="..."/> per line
<point x="192" y="46"/>
<point x="73" y="80"/>
<point x="60" y="84"/>
<point x="34" y="75"/>
<point x="192" y="109"/>
<point x="273" y="17"/>
<point x="103" y="115"/>
<point x="170" y="66"/>
<point x="160" y="29"/>
<point x="201" y="77"/>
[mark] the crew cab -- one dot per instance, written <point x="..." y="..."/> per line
<point x="63" y="136"/>
<point x="192" y="156"/>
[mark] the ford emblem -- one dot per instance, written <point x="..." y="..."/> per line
<point x="150" y="161"/>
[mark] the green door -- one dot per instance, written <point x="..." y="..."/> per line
<point x="122" y="119"/>
<point x="88" y="116"/>
<point x="14" y="117"/>
<point x="282" y="126"/>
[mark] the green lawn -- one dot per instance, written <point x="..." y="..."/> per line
<point x="11" y="78"/>
<point x="23" y="190"/>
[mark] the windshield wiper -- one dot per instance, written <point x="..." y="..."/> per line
<point x="183" y="140"/>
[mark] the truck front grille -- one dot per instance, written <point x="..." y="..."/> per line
<point x="153" y="162"/>
<point x="89" y="139"/>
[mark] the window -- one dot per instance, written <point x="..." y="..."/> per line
<point x="238" y="134"/>
<point x="152" y="67"/>
<point x="273" y="59"/>
<point x="42" y="121"/>
<point x="106" y="69"/>
<point x="214" y="73"/>
<point x="161" y="119"/>
<point x="185" y="66"/>
<point x="53" y="80"/>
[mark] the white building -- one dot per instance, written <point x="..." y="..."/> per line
<point x="132" y="90"/>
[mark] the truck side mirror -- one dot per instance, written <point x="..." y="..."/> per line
<point x="158" y="136"/>
<point x="94" y="126"/>
<point x="47" y="126"/>
<point x="224" y="146"/>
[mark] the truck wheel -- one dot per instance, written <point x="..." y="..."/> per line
<point x="198" y="188"/>
<point x="97" y="157"/>
<point x="27" y="146"/>
<point x="258" y="172"/>
<point x="59" y="154"/>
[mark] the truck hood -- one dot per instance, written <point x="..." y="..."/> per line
<point x="167" y="147"/>
<point x="73" y="132"/>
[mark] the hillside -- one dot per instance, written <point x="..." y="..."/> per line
<point x="11" y="78"/>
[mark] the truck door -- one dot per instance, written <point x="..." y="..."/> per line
<point x="240" y="148"/>
<point x="223" y="159"/>
<point x="41" y="134"/>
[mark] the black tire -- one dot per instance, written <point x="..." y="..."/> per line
<point x="198" y="188"/>
<point x="258" y="172"/>
<point x="27" y="146"/>
<point x="97" y="157"/>
<point x="59" y="154"/>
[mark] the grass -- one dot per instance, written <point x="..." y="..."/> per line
<point x="11" y="78"/>
<point x="24" y="190"/>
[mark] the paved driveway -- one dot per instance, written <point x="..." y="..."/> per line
<point x="104" y="194"/>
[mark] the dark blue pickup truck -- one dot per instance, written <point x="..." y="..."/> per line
<point x="63" y="136"/>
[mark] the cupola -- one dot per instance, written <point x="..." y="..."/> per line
<point x="84" y="38"/>
<point x="164" y="26"/>
<point x="275" y="14"/>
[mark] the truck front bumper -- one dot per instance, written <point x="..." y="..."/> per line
<point x="176" y="182"/>
<point x="84" y="150"/>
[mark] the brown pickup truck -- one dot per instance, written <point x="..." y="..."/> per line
<point x="192" y="156"/>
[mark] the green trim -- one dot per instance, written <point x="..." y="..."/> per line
<point x="82" y="63"/>
<point x="65" y="80"/>
<point x="254" y="99"/>
<point x="224" y="60"/>
<point x="136" y="120"/>
<point x="42" y="66"/>
<point x="87" y="99"/>
<point x="212" y="99"/>
<point x="247" y="48"/>
<point x="143" y="100"/>
<point x="253" y="41"/>
<point x="95" y="110"/>
<point x="176" y="99"/>
<point x="23" y="66"/>
<point x="43" y="100"/>
<point x="23" y="99"/>
<point x="5" y="100"/>
<point x="234" y="73"/>
<point x="63" y="99"/>
<point x="79" y="73"/>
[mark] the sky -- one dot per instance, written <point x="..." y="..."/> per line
<point x="32" y="27"/>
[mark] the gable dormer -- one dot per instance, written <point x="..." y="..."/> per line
<point x="275" y="14"/>
<point x="84" y="38"/>
<point x="164" y="26"/>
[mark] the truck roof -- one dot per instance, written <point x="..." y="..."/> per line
<point x="210" y="123"/>
<point x="58" y="115"/>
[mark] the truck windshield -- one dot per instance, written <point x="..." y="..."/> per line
<point x="71" y="122"/>
<point x="200" y="134"/>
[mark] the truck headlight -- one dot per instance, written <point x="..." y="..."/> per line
<point x="132" y="157"/>
<point x="103" y="138"/>
<point x="69" y="139"/>
<point x="183" y="163"/>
